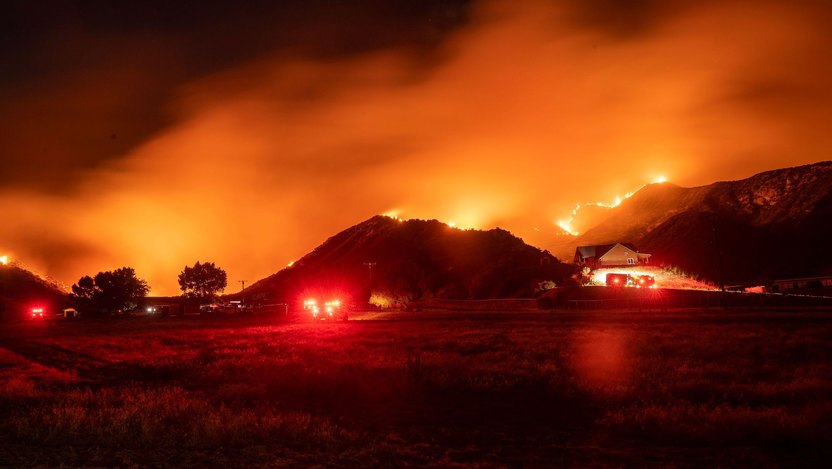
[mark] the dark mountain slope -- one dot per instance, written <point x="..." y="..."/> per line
<point x="20" y="290"/>
<point x="774" y="224"/>
<point x="416" y="259"/>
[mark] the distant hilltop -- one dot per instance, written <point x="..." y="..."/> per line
<point x="417" y="259"/>
<point x="775" y="224"/>
<point x="20" y="287"/>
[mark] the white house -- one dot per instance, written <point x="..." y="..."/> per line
<point x="606" y="255"/>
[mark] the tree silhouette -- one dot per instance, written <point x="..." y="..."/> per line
<point x="85" y="290"/>
<point x="113" y="290"/>
<point x="202" y="281"/>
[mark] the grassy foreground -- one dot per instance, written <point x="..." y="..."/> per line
<point x="442" y="389"/>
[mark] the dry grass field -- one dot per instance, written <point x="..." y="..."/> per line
<point x="438" y="389"/>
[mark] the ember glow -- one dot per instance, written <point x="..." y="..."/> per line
<point x="566" y="224"/>
<point x="134" y="146"/>
<point x="4" y="260"/>
<point x="394" y="214"/>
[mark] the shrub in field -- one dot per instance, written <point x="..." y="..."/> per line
<point x="686" y="423"/>
<point x="16" y="388"/>
<point x="134" y="416"/>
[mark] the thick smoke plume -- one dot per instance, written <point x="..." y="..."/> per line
<point x="520" y="114"/>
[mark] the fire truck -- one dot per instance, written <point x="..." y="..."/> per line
<point x="328" y="310"/>
<point x="631" y="280"/>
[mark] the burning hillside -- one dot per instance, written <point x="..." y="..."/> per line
<point x="414" y="259"/>
<point x="737" y="230"/>
<point x="21" y="289"/>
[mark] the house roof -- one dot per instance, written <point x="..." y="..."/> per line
<point x="593" y="251"/>
<point x="599" y="250"/>
<point x="803" y="279"/>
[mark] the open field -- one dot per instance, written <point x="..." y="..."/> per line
<point x="445" y="389"/>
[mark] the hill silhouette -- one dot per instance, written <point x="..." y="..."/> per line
<point x="416" y="259"/>
<point x="20" y="290"/>
<point x="772" y="225"/>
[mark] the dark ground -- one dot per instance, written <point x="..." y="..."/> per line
<point x="683" y="388"/>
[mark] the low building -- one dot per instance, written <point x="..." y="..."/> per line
<point x="610" y="255"/>
<point x="802" y="284"/>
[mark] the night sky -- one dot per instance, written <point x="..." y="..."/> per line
<point x="153" y="135"/>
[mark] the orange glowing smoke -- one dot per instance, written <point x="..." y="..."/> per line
<point x="514" y="117"/>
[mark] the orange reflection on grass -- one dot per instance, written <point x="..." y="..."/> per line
<point x="602" y="360"/>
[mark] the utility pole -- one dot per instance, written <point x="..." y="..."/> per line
<point x="243" y="283"/>
<point x="242" y="290"/>
<point x="718" y="258"/>
<point x="723" y="298"/>
<point x="370" y="268"/>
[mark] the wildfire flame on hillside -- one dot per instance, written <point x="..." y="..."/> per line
<point x="566" y="224"/>
<point x="394" y="214"/>
<point x="6" y="260"/>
